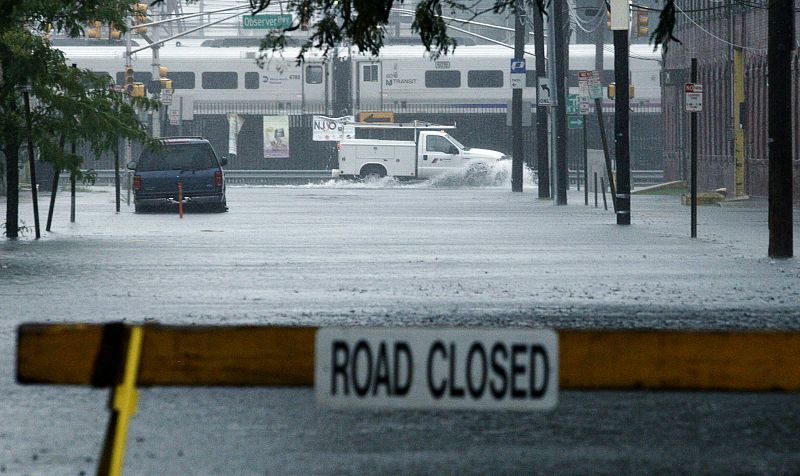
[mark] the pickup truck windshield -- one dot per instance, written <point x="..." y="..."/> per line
<point x="178" y="157"/>
<point x="457" y="143"/>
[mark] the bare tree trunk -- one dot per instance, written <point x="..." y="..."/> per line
<point x="12" y="180"/>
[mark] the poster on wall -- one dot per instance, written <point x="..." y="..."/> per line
<point x="276" y="137"/>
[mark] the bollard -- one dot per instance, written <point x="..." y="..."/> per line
<point x="180" y="198"/>
<point x="603" y="187"/>
<point x="595" y="189"/>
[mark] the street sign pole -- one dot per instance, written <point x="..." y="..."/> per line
<point x="542" y="146"/>
<point x="585" y="166"/>
<point x="693" y="139"/>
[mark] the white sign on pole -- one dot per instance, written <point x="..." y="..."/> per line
<point x="693" y="94"/>
<point x="589" y="84"/>
<point x="329" y="128"/>
<point x="585" y="107"/>
<point x="166" y="96"/>
<point x="619" y="14"/>
<point x="486" y="369"/>
<point x="544" y="91"/>
<point x="517" y="73"/>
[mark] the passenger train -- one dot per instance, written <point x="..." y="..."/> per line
<point x="400" y="79"/>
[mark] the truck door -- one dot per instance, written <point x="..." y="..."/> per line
<point x="369" y="86"/>
<point x="438" y="156"/>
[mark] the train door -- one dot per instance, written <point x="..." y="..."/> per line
<point x="369" y="86"/>
<point x="313" y="84"/>
<point x="341" y="91"/>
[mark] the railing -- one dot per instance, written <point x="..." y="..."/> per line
<point x="280" y="177"/>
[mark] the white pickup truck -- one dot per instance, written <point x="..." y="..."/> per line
<point x="433" y="152"/>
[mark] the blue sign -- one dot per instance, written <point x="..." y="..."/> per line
<point x="518" y="65"/>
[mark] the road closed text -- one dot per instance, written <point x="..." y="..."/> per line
<point x="512" y="369"/>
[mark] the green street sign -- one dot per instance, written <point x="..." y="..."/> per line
<point x="573" y="104"/>
<point x="575" y="122"/>
<point x="266" y="22"/>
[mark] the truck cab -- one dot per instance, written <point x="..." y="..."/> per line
<point x="432" y="152"/>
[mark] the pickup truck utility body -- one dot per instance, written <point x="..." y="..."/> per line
<point x="432" y="152"/>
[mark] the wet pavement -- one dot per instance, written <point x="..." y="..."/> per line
<point x="383" y="253"/>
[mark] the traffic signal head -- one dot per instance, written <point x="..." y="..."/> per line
<point x="113" y="33"/>
<point x="94" y="30"/>
<point x="162" y="71"/>
<point x="140" y="17"/>
<point x="642" y="23"/>
<point x="137" y="90"/>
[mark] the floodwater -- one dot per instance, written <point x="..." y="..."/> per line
<point x="399" y="254"/>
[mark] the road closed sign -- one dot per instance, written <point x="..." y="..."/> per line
<point x="481" y="369"/>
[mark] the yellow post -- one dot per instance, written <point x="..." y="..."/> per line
<point x="123" y="407"/>
<point x="738" y="132"/>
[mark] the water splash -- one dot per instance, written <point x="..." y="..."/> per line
<point x="477" y="175"/>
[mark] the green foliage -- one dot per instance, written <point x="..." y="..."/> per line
<point x="362" y="23"/>
<point x="67" y="104"/>
<point x="662" y="35"/>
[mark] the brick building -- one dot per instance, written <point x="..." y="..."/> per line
<point x="729" y="40"/>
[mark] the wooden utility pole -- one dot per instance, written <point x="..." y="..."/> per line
<point x="779" y="66"/>
<point x="542" y="146"/>
<point x="620" y="10"/>
<point x="516" y="101"/>
<point x="561" y="51"/>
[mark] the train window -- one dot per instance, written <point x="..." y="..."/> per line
<point x="370" y="73"/>
<point x="181" y="79"/>
<point x="313" y="74"/>
<point x="220" y="80"/>
<point x="251" y="80"/>
<point x="487" y="78"/>
<point x="442" y="79"/>
<point x="138" y="77"/>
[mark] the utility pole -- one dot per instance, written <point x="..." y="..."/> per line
<point x="561" y="53"/>
<point x="780" y="42"/>
<point x="619" y="25"/>
<point x="516" y="100"/>
<point x="542" y="159"/>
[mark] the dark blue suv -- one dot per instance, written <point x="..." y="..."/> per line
<point x="190" y="161"/>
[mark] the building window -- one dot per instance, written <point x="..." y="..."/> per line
<point x="442" y="79"/>
<point x="220" y="80"/>
<point x="251" y="80"/>
<point x="313" y="74"/>
<point x="491" y="78"/>
<point x="181" y="79"/>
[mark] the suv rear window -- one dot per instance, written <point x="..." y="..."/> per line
<point x="178" y="157"/>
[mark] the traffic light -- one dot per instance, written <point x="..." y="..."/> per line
<point x="113" y="33"/>
<point x="166" y="83"/>
<point x="128" y="80"/>
<point x="137" y="90"/>
<point x="642" y="23"/>
<point x="612" y="91"/>
<point x="140" y="17"/>
<point x="94" y="30"/>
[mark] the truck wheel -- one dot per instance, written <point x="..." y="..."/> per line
<point x="372" y="170"/>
